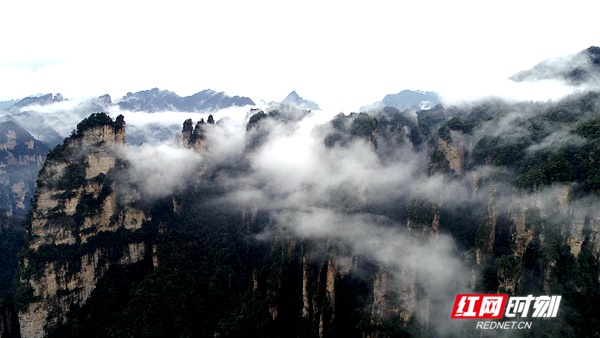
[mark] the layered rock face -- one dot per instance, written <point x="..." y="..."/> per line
<point x="524" y="219"/>
<point x="21" y="157"/>
<point x="454" y="151"/>
<point x="81" y="214"/>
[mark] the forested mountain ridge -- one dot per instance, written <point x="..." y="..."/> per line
<point x="368" y="224"/>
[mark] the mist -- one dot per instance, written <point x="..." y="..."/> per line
<point x="314" y="192"/>
<point x="343" y="193"/>
<point x="160" y="170"/>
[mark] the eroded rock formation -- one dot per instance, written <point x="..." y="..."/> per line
<point x="79" y="218"/>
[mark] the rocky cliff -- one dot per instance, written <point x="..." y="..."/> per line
<point x="194" y="137"/>
<point x="454" y="151"/>
<point x="21" y="157"/>
<point x="80" y="223"/>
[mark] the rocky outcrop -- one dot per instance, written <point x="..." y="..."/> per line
<point x="23" y="160"/>
<point x="533" y="217"/>
<point x="57" y="290"/>
<point x="594" y="236"/>
<point x="11" y="141"/>
<point x="84" y="210"/>
<point x="486" y="234"/>
<point x="187" y="132"/>
<point x="194" y="137"/>
<point x="330" y="287"/>
<point x="522" y="233"/>
<point x="394" y="298"/>
<point x="305" y="283"/>
<point x="454" y="151"/>
<point x="19" y="190"/>
<point x="75" y="179"/>
<point x="21" y="157"/>
<point x="576" y="236"/>
<point x="395" y="295"/>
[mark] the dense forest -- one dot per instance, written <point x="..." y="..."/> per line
<point x="372" y="233"/>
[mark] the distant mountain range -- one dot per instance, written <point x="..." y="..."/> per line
<point x="40" y="100"/>
<point x="155" y="100"/>
<point x="407" y="100"/>
<point x="576" y="69"/>
<point x="52" y="128"/>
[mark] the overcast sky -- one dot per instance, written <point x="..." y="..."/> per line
<point x="341" y="54"/>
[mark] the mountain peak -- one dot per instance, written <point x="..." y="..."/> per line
<point x="293" y="96"/>
<point x="293" y="99"/>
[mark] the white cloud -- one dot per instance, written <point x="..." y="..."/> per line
<point x="160" y="170"/>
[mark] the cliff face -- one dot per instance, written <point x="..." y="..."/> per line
<point x="546" y="220"/>
<point x="21" y="157"/>
<point x="454" y="151"/>
<point x="78" y="209"/>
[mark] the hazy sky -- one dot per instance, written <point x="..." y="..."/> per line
<point x="341" y="54"/>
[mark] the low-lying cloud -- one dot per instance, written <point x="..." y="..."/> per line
<point x="316" y="192"/>
<point x="160" y="170"/>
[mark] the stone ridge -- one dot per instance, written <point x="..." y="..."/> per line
<point x="84" y="211"/>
